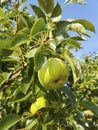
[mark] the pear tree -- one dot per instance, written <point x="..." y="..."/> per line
<point x="43" y="86"/>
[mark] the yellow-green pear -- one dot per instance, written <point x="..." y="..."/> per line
<point x="40" y="102"/>
<point x="33" y="108"/>
<point x="53" y="74"/>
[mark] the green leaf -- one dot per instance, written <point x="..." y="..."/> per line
<point x="5" y="75"/>
<point x="31" y="123"/>
<point x="44" y="127"/>
<point x="72" y="42"/>
<point x="5" y="44"/>
<point x="39" y="126"/>
<point x="22" y="22"/>
<point x="25" y="84"/>
<point x="19" y="96"/>
<point x="19" y="40"/>
<point x="38" y="26"/>
<point x="9" y="121"/>
<point x="78" y="38"/>
<point x="31" y="53"/>
<point x="77" y="1"/>
<point x="88" y="25"/>
<point x="56" y="11"/>
<point x="74" y="71"/>
<point x="91" y="106"/>
<point x="50" y="119"/>
<point x="39" y="13"/>
<point x="39" y="59"/>
<point x="2" y="14"/>
<point x="60" y="27"/>
<point x="70" y="94"/>
<point x="7" y="52"/>
<point x="24" y="1"/>
<point x="46" y="5"/>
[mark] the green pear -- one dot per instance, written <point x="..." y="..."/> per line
<point x="53" y="74"/>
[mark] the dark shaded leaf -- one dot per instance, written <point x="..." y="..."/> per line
<point x="19" y="96"/>
<point x="70" y="94"/>
<point x="39" y="13"/>
<point x="56" y="11"/>
<point x="25" y="84"/>
<point x="39" y="59"/>
<point x="91" y="106"/>
<point x="78" y="38"/>
<point x="60" y="27"/>
<point x="9" y="121"/>
<point x="46" y="5"/>
<point x="19" y="40"/>
<point x="72" y="42"/>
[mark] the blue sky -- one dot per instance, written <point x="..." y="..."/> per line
<point x="88" y="12"/>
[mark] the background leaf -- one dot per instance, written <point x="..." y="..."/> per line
<point x="9" y="121"/>
<point x="2" y="14"/>
<point x="91" y="106"/>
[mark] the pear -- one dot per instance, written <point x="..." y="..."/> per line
<point x="40" y="102"/>
<point x="33" y="108"/>
<point x="53" y="74"/>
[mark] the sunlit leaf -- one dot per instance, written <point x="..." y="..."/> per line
<point x="24" y="1"/>
<point x="78" y="1"/>
<point x="31" y="53"/>
<point x="87" y="24"/>
<point x="75" y="76"/>
<point x="31" y="123"/>
<point x="38" y="26"/>
<point x="2" y="14"/>
<point x="79" y="28"/>
<point x="5" y="44"/>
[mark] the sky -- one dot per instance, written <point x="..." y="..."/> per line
<point x="77" y="11"/>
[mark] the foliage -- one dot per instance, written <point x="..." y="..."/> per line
<point x="26" y="41"/>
